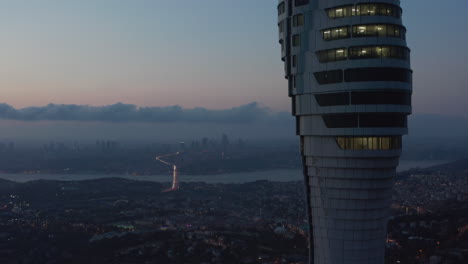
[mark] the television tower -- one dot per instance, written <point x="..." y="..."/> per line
<point x="350" y="82"/>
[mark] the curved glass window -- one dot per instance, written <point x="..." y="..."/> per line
<point x="332" y="55"/>
<point x="369" y="143"/>
<point x="365" y="120"/>
<point x="379" y="30"/>
<point x="364" y="98"/>
<point x="364" y="75"/>
<point x="333" y="99"/>
<point x="380" y="97"/>
<point x="336" y="33"/>
<point x="373" y="52"/>
<point x="327" y="77"/>
<point x="382" y="120"/>
<point x="340" y="11"/>
<point x="377" y="9"/>
<point x="378" y="74"/>
<point x="366" y="9"/>
<point x="364" y="30"/>
<point x="363" y="52"/>
<point x="341" y="120"/>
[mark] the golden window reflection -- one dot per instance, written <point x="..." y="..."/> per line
<point x="366" y="9"/>
<point x="369" y="143"/>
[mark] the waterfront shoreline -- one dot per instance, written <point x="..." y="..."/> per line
<point x="281" y="175"/>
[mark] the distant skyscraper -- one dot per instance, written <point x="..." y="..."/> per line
<point x="181" y="146"/>
<point x="349" y="77"/>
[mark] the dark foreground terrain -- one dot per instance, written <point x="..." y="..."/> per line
<point x="123" y="221"/>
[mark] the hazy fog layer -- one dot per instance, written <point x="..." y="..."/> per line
<point x="168" y="124"/>
<point x="249" y="113"/>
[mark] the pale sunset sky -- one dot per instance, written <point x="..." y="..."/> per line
<point x="195" y="53"/>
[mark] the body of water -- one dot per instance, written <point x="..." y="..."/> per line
<point x="239" y="177"/>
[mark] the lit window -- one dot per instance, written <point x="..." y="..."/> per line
<point x="364" y="52"/>
<point x="332" y="55"/>
<point x="379" y="30"/>
<point x="379" y="52"/>
<point x="368" y="9"/>
<point x="336" y="33"/>
<point x="369" y="143"/>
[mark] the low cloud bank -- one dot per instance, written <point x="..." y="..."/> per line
<point x="249" y="113"/>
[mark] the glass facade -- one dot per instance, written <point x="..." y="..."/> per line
<point x="332" y="55"/>
<point x="365" y="9"/>
<point x="336" y="33"/>
<point x="364" y="98"/>
<point x="333" y="99"/>
<point x="365" y="120"/>
<point x="378" y="74"/>
<point x="381" y="97"/>
<point x="377" y="9"/>
<point x="379" y="30"/>
<point x="365" y="75"/>
<point x="327" y="77"/>
<point x="369" y="143"/>
<point x="379" y="52"/>
<point x="364" y="30"/>
<point x="341" y="120"/>
<point x="363" y="52"/>
<point x="382" y="120"/>
<point x="340" y="11"/>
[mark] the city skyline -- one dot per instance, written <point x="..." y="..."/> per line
<point x="143" y="53"/>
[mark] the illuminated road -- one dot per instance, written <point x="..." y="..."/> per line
<point x="175" y="174"/>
